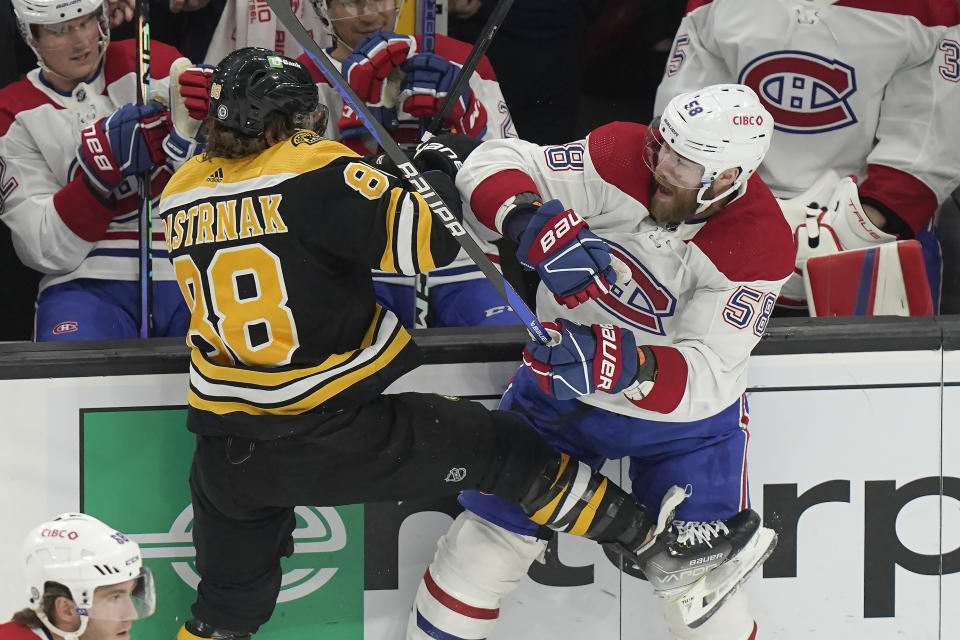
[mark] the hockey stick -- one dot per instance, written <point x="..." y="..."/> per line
<point x="469" y="66"/>
<point x="281" y="9"/>
<point x="428" y="37"/>
<point x="145" y="219"/>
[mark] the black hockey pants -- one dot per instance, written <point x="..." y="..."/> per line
<point x="398" y="447"/>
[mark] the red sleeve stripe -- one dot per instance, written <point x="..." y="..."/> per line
<point x="696" y="4"/>
<point x="930" y="13"/>
<point x="81" y="211"/>
<point x="489" y="196"/>
<point x="455" y="605"/>
<point x="900" y="192"/>
<point x="671" y="381"/>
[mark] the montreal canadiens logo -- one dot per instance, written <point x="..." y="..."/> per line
<point x="643" y="302"/>
<point x="65" y="327"/>
<point x="804" y="92"/>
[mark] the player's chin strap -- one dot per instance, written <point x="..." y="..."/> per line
<point x="739" y="187"/>
<point x="52" y="628"/>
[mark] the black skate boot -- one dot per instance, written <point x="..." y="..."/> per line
<point x="198" y="630"/>
<point x="707" y="562"/>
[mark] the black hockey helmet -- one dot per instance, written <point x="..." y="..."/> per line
<point x="251" y="82"/>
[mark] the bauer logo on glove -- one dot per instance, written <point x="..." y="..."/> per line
<point x="581" y="359"/>
<point x="572" y="261"/>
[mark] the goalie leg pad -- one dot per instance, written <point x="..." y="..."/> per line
<point x="889" y="279"/>
<point x="476" y="564"/>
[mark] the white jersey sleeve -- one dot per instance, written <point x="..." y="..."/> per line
<point x="920" y="119"/>
<point x="557" y="172"/>
<point x="58" y="226"/>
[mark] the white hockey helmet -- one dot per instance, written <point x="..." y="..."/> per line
<point x="82" y="553"/>
<point x="53" y="12"/>
<point x="355" y="9"/>
<point x="719" y="127"/>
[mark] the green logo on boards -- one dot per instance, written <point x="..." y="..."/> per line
<point x="135" y="465"/>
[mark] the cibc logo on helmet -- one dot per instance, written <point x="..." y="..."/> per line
<point x="748" y="120"/>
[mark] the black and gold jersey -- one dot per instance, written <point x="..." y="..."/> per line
<point x="273" y="254"/>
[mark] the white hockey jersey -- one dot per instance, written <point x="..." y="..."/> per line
<point x="840" y="81"/>
<point x="59" y="227"/>
<point x="252" y="23"/>
<point x="938" y="152"/>
<point x="700" y="294"/>
<point x="483" y="83"/>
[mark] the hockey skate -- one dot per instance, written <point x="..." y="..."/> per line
<point x="198" y="630"/>
<point x="707" y="562"/>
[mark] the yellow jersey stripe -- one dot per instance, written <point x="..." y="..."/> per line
<point x="275" y="378"/>
<point x="315" y="399"/>
<point x="424" y="227"/>
<point x="388" y="262"/>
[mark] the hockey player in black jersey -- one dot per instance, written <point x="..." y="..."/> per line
<point x="272" y="233"/>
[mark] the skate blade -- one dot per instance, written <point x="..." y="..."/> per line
<point x="700" y="600"/>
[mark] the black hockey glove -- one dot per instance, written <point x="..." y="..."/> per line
<point x="443" y="185"/>
<point x="445" y="152"/>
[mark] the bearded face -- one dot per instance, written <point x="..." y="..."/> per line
<point x="673" y="205"/>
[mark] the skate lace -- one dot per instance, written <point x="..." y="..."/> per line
<point x="695" y="532"/>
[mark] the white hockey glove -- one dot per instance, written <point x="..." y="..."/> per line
<point x="185" y="139"/>
<point x="839" y="226"/>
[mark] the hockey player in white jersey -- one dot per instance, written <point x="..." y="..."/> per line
<point x="85" y="581"/>
<point x="678" y="251"/>
<point x="404" y="84"/>
<point x="71" y="143"/>
<point x="839" y="79"/>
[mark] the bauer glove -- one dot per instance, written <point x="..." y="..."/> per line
<point x="581" y="360"/>
<point x="571" y="260"/>
<point x="127" y="142"/>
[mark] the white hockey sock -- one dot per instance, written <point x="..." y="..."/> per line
<point x="476" y="564"/>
